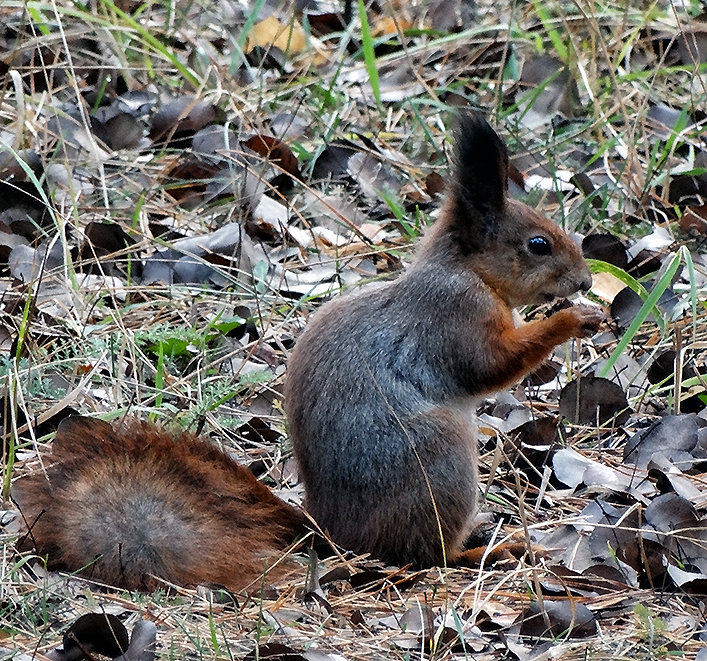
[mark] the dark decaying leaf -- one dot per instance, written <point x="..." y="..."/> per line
<point x="99" y="633"/>
<point x="123" y="131"/>
<point x="690" y="582"/>
<point x="532" y="446"/>
<point x="693" y="221"/>
<point x="258" y="431"/>
<point x="681" y="532"/>
<point x="104" y="240"/>
<point x="661" y="117"/>
<point x="418" y="623"/>
<point x="547" y="372"/>
<point x="692" y="44"/>
<point x="642" y="546"/>
<point x="596" y="580"/>
<point x="363" y="168"/>
<point x="334" y="575"/>
<point x="323" y="23"/>
<point x="121" y="123"/>
<point x="552" y="619"/>
<point x="333" y="161"/>
<point x="548" y="87"/>
<point x="592" y="400"/>
<point x="625" y="307"/>
<point x="275" y="652"/>
<point x="267" y="58"/>
<point x="190" y="178"/>
<point x="644" y="263"/>
<point x="434" y="184"/>
<point x="674" y="436"/>
<point x="41" y="66"/>
<point x="372" y="174"/>
<point x="662" y="368"/>
<point x="177" y="121"/>
<point x="585" y="184"/>
<point x="670" y="479"/>
<point x="190" y="260"/>
<point x="541" y="434"/>
<point x="22" y="208"/>
<point x="690" y="189"/>
<point x="215" y="142"/>
<point x="615" y="533"/>
<point x="605" y="247"/>
<point x="627" y="303"/>
<point x="670" y="512"/>
<point x="27" y="263"/>
<point x="596" y="540"/>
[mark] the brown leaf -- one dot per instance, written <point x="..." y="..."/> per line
<point x="694" y="220"/>
<point x="276" y="151"/>
<point x="434" y="184"/>
<point x="275" y="652"/>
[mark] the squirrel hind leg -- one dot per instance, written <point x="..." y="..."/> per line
<point x="423" y="519"/>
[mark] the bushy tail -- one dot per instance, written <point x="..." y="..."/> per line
<point x="133" y="504"/>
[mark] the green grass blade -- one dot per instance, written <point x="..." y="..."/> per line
<point x="250" y="22"/>
<point x="369" y="54"/>
<point x="555" y="36"/>
<point x="687" y="257"/>
<point x="648" y="306"/>
<point x="598" y="266"/>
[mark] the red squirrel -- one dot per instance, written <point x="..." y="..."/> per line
<point x="380" y="395"/>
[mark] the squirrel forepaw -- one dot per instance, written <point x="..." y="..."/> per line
<point x="588" y="319"/>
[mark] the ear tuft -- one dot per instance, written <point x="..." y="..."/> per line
<point x="480" y="167"/>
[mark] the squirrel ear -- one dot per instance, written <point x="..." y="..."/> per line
<point x="480" y="167"/>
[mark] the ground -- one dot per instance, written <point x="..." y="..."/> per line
<point x="182" y="185"/>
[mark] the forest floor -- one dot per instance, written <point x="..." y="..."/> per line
<point x="183" y="184"/>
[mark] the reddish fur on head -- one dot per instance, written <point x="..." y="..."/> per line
<point x="132" y="503"/>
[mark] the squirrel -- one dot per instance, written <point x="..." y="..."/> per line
<point x="380" y="394"/>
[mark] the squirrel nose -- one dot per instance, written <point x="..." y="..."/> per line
<point x="586" y="284"/>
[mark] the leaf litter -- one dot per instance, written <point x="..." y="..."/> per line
<point x="177" y="196"/>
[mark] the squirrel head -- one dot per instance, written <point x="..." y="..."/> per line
<point x="521" y="255"/>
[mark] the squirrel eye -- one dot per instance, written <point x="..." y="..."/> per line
<point x="539" y="245"/>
